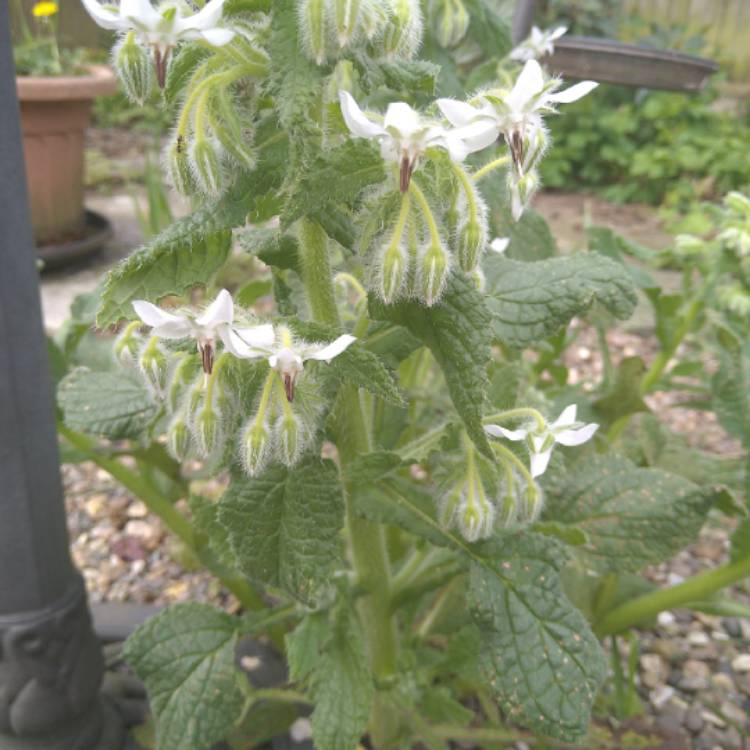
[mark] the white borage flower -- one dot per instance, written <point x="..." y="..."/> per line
<point x="217" y="321"/>
<point x="500" y="244"/>
<point x="538" y="44"/>
<point x="164" y="26"/>
<point x="404" y="135"/>
<point x="564" y="430"/>
<point x="517" y="113"/>
<point x="287" y="355"/>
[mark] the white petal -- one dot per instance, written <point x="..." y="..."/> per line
<point x="557" y="33"/>
<point x="573" y="93"/>
<point x="456" y="147"/>
<point x="576" y="437"/>
<point x="567" y="417"/>
<point x="236" y="346"/>
<point x="207" y="17"/>
<point x="327" y="353"/>
<point x="528" y="84"/>
<point x="540" y="462"/>
<point x="140" y="11"/>
<point x="458" y="113"/>
<point x="273" y="360"/>
<point x="154" y="316"/>
<point x="497" y="431"/>
<point x="500" y="244"/>
<point x="402" y="118"/>
<point x="105" y="18"/>
<point x="478" y="135"/>
<point x="259" y="337"/>
<point x="217" y="37"/>
<point x="355" y="118"/>
<point x="221" y="310"/>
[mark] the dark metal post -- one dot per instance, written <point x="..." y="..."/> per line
<point x="522" y="20"/>
<point x="51" y="665"/>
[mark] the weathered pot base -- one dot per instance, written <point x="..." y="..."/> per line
<point x="98" y="232"/>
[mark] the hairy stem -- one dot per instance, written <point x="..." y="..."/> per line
<point x="162" y="507"/>
<point x="367" y="539"/>
<point x="490" y="167"/>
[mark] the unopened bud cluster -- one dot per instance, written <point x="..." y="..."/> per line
<point x="388" y="28"/>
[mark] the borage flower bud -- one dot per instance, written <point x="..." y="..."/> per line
<point x="403" y="31"/>
<point x="432" y="272"/>
<point x="521" y="190"/>
<point x="133" y="68"/>
<point x="312" y="25"/>
<point x="154" y="366"/>
<point x="477" y="278"/>
<point x="205" y="161"/>
<point x="531" y="502"/>
<point x="346" y="14"/>
<point x="507" y="507"/>
<point x="177" y="165"/>
<point x="374" y="16"/>
<point x="128" y="344"/>
<point x="393" y="272"/>
<point x="182" y="374"/>
<point x="178" y="438"/>
<point x="255" y="449"/>
<point x="475" y="518"/>
<point x="288" y="439"/>
<point x="471" y="239"/>
<point x="451" y="22"/>
<point x="207" y="430"/>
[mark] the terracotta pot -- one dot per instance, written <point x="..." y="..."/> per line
<point x="55" y="112"/>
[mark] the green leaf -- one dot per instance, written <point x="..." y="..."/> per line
<point x="624" y="397"/>
<point x="331" y="657"/>
<point x="740" y="542"/>
<point x="530" y="237"/>
<point x="364" y="369"/>
<point x="185" y="657"/>
<point x="457" y="332"/>
<point x="205" y="519"/>
<point x="112" y="404"/>
<point x="192" y="249"/>
<point x="541" y="658"/>
<point x="371" y="467"/>
<point x="334" y="177"/>
<point x="183" y="62"/>
<point x="731" y="392"/>
<point x="284" y="525"/>
<point x="182" y="256"/>
<point x="273" y="247"/>
<point x="531" y="301"/>
<point x="633" y="517"/>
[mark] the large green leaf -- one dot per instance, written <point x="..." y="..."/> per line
<point x="457" y="331"/>
<point x="632" y="516"/>
<point x="364" y="369"/>
<point x="730" y="388"/>
<point x="284" y="525"/>
<point x="336" y="176"/>
<point x="115" y="405"/>
<point x="531" y="301"/>
<point x="331" y="658"/>
<point x="185" y="657"/>
<point x="541" y="658"/>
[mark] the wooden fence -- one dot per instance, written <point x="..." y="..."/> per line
<point x="724" y="23"/>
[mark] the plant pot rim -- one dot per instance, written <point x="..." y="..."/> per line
<point x="100" y="80"/>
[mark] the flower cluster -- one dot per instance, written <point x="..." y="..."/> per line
<point x="204" y="410"/>
<point x="159" y="29"/>
<point x="388" y="28"/>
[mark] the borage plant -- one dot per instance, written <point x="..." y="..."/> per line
<point x="398" y="514"/>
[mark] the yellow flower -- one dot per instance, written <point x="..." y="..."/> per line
<point x="44" y="9"/>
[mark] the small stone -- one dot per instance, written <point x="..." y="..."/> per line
<point x="741" y="663"/>
<point x="96" y="505"/>
<point x="661" y="696"/>
<point x="148" y="533"/>
<point x="732" y="626"/>
<point x="694" y="668"/>
<point x="698" y="638"/>
<point x="129" y="548"/>
<point x="732" y="740"/>
<point x="301" y="730"/>
<point x="712" y="718"/>
<point x="722" y="682"/>
<point x="693" y="718"/>
<point x="654" y="670"/>
<point x="137" y="509"/>
<point x="250" y="663"/>
<point x="665" y="619"/>
<point x="733" y="713"/>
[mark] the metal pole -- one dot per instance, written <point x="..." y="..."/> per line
<point x="51" y="664"/>
<point x="522" y="20"/>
